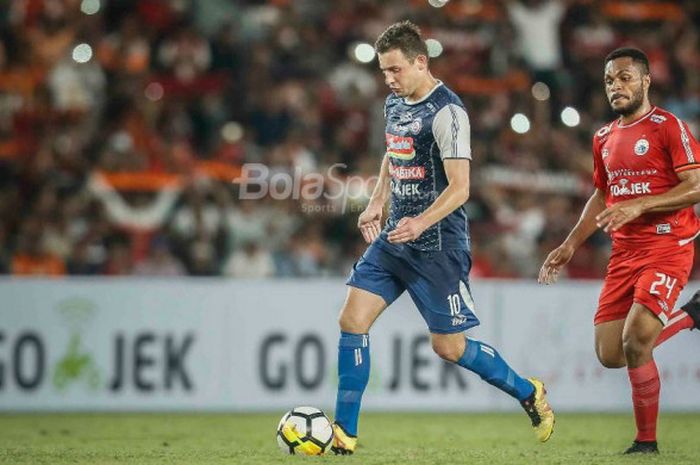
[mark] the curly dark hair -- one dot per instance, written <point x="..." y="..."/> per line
<point x="404" y="36"/>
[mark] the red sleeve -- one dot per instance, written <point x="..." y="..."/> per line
<point x="600" y="175"/>
<point x="681" y="145"/>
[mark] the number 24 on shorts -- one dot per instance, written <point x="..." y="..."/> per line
<point x="665" y="281"/>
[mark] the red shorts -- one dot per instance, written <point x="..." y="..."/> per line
<point x="650" y="277"/>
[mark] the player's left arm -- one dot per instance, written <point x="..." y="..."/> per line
<point x="451" y="131"/>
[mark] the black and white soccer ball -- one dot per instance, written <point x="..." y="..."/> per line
<point x="304" y="431"/>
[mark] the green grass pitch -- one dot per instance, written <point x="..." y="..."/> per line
<point x="413" y="438"/>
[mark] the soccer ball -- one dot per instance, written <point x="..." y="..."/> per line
<point x="304" y="431"/>
<point x="438" y="3"/>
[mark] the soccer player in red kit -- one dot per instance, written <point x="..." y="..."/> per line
<point x="647" y="179"/>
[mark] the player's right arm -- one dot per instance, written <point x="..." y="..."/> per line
<point x="583" y="229"/>
<point x="369" y="221"/>
<point x="587" y="222"/>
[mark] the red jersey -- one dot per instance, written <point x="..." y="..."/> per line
<point x="644" y="158"/>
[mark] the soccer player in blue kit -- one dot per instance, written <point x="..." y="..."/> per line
<point x="424" y="247"/>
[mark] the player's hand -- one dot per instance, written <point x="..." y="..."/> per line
<point x="407" y="229"/>
<point x="369" y="223"/>
<point x="555" y="261"/>
<point x="613" y="218"/>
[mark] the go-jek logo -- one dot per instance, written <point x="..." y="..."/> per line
<point x="77" y="364"/>
<point x="123" y="360"/>
<point x="400" y="147"/>
<point x="623" y="187"/>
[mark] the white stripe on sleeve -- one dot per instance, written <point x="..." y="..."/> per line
<point x="451" y="132"/>
<point x="685" y="141"/>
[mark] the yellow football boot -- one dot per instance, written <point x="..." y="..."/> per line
<point x="539" y="411"/>
<point x="343" y="443"/>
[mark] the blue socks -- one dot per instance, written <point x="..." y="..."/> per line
<point x="483" y="360"/>
<point x="353" y="375"/>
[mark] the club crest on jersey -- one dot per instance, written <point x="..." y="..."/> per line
<point x="400" y="147"/>
<point x="641" y="147"/>
<point x="413" y="127"/>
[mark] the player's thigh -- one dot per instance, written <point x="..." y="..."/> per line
<point x="617" y="295"/>
<point x="360" y="310"/>
<point x="608" y="343"/>
<point x="439" y="287"/>
<point x="642" y="327"/>
<point x="372" y="287"/>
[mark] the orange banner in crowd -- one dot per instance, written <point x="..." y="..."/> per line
<point x="147" y="181"/>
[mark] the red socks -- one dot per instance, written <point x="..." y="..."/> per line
<point x="645" y="399"/>
<point x="683" y="321"/>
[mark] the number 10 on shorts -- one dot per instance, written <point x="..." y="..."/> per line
<point x="665" y="281"/>
<point x="455" y="304"/>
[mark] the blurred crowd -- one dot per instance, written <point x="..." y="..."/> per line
<point x="128" y="128"/>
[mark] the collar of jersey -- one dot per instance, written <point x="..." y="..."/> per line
<point x="439" y="83"/>
<point x="639" y="120"/>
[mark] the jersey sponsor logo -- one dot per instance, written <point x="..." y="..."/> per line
<point x="664" y="228"/>
<point x="405" y="189"/>
<point x="641" y="147"/>
<point x="658" y="118"/>
<point x="406" y="172"/>
<point x="400" y="147"/>
<point x="623" y="187"/>
<point x="612" y="174"/>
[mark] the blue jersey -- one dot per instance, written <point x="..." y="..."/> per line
<point x="419" y="136"/>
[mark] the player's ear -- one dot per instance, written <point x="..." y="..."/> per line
<point x="646" y="81"/>
<point x="422" y="61"/>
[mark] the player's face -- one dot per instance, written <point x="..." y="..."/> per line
<point x="625" y="85"/>
<point x="402" y="76"/>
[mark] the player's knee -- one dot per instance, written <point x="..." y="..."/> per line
<point x="447" y="351"/>
<point x="351" y="322"/>
<point x="610" y="360"/>
<point x="635" y="346"/>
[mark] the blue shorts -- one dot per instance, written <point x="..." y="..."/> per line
<point x="438" y="282"/>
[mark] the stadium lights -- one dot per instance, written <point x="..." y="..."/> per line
<point x="520" y="123"/>
<point x="570" y="117"/>
<point x="363" y="52"/>
<point x="540" y="91"/>
<point x="90" y="7"/>
<point x="434" y="48"/>
<point x="154" y="91"/>
<point x="82" y="53"/>
<point x="438" y="3"/>
<point x="232" y="132"/>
